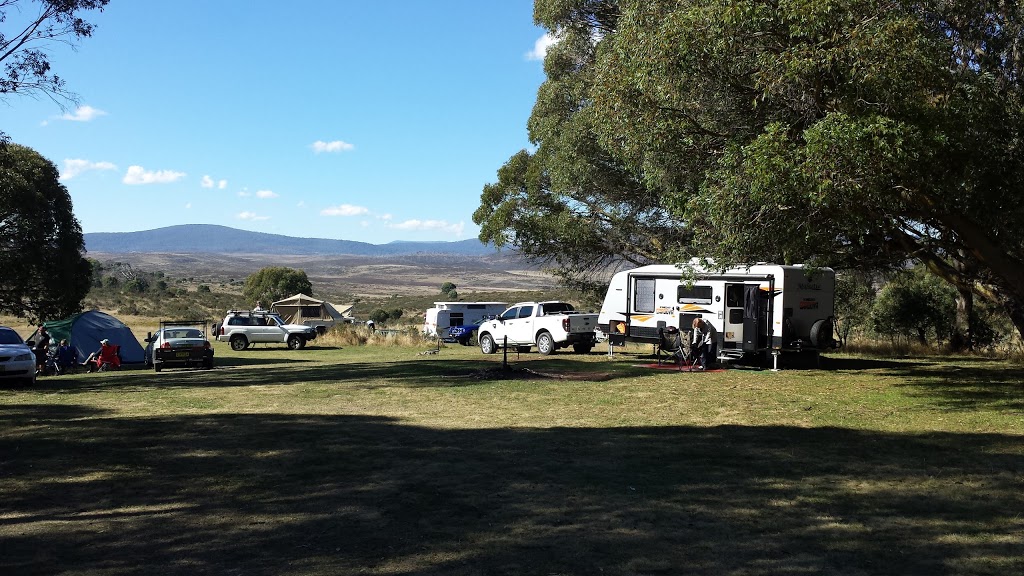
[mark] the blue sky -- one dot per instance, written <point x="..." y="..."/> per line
<point x="371" y="121"/>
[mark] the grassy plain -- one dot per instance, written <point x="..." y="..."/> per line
<point x="384" y="460"/>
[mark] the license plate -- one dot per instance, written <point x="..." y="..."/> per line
<point x="182" y="354"/>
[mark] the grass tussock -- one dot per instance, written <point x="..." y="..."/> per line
<point x="355" y="335"/>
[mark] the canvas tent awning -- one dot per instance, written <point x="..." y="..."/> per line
<point x="300" y="308"/>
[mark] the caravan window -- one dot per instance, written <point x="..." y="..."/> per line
<point x="734" y="295"/>
<point x="643" y="295"/>
<point x="455" y="319"/>
<point x="693" y="294"/>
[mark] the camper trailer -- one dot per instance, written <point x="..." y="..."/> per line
<point x="444" y="315"/>
<point x="759" y="311"/>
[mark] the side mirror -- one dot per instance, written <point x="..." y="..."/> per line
<point x="149" y="336"/>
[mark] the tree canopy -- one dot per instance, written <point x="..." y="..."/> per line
<point x="45" y="275"/>
<point x="274" y="283"/>
<point x="852" y="133"/>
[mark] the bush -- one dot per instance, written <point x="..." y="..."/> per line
<point x="915" y="304"/>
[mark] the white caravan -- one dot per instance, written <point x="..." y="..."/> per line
<point x="444" y="315"/>
<point x="760" y="310"/>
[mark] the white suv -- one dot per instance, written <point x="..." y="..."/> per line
<point x="243" y="328"/>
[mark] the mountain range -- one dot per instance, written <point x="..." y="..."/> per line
<point x="214" y="239"/>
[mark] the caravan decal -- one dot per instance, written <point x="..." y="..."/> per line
<point x="693" y="308"/>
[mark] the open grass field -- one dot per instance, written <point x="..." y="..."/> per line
<point x="380" y="460"/>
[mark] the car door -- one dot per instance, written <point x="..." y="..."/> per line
<point x="522" y="331"/>
<point x="507" y="322"/>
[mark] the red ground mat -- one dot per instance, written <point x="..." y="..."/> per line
<point x="676" y="367"/>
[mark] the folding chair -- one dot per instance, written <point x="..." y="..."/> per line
<point x="673" y="345"/>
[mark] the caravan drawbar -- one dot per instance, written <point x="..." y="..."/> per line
<point x="757" y="310"/>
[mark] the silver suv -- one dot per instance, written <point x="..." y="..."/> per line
<point x="243" y="328"/>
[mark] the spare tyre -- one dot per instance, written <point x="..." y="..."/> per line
<point x="821" y="335"/>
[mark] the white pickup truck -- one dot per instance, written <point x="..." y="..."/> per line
<point x="547" y="325"/>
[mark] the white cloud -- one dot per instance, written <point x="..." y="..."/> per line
<point x="333" y="146"/>
<point x="266" y="194"/>
<point x="75" y="166"/>
<point x="244" y="193"/>
<point x="83" y="114"/>
<point x="344" y="210"/>
<point x="251" y="216"/>
<point x="138" y="175"/>
<point x="540" y="47"/>
<point x="208" y="182"/>
<point x="188" y="205"/>
<point x="430" y="225"/>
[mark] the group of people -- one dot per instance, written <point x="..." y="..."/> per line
<point x="66" y="357"/>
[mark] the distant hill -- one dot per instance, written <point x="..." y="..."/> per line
<point x="213" y="239"/>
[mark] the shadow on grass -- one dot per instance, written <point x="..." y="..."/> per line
<point x="82" y="491"/>
<point x="969" y="386"/>
<point x="242" y="371"/>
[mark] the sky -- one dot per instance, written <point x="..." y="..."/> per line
<point x="374" y="121"/>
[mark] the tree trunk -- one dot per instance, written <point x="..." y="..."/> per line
<point x="963" y="332"/>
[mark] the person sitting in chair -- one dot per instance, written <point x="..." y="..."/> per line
<point x="106" y="358"/>
<point x="705" y="342"/>
<point x="65" y="357"/>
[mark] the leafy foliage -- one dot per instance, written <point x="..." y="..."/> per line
<point x="45" y="275"/>
<point x="853" y="133"/>
<point x="915" y="304"/>
<point x="24" y="54"/>
<point x="275" y="283"/>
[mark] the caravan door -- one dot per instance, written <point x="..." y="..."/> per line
<point x="732" y="325"/>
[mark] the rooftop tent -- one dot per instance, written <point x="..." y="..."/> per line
<point x="301" y="309"/>
<point x="85" y="330"/>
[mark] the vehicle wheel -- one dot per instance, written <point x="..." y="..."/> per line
<point x="157" y="366"/>
<point x="582" y="347"/>
<point x="208" y="364"/>
<point x="303" y="343"/>
<point x="487" y="344"/>
<point x="464" y="342"/>
<point x="295" y="342"/>
<point x="545" y="343"/>
<point x="238" y="342"/>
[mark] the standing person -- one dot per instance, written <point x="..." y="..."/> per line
<point x="41" y="347"/>
<point x="705" y="339"/>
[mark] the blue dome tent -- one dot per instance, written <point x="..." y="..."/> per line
<point x="85" y="330"/>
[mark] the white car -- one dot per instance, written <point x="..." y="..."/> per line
<point x="17" y="361"/>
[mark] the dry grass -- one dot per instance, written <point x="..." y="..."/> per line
<point x="370" y="458"/>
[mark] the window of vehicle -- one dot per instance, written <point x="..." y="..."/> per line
<point x="693" y="294"/>
<point x="239" y="321"/>
<point x="643" y="295"/>
<point x="556" y="308"/>
<point x="526" y="311"/>
<point x="8" y="336"/>
<point x="734" y="295"/>
<point x="509" y="314"/>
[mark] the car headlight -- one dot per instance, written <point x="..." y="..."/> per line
<point x="23" y="357"/>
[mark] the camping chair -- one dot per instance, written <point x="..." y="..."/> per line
<point x="671" y="346"/>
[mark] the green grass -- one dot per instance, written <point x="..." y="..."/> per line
<point x="382" y="460"/>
